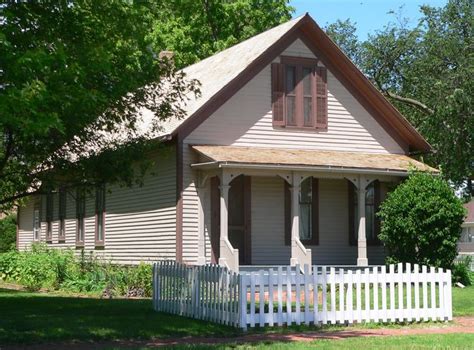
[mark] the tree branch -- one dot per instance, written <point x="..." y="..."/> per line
<point x="415" y="103"/>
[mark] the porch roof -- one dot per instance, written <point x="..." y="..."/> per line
<point x="232" y="156"/>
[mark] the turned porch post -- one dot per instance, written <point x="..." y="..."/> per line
<point x="224" y="215"/>
<point x="361" y="237"/>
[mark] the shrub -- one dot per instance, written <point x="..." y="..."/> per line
<point x="8" y="233"/>
<point x="421" y="222"/>
<point x="42" y="267"/>
<point x="462" y="271"/>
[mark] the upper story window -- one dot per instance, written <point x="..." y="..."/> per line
<point x="299" y="94"/>
<point x="467" y="235"/>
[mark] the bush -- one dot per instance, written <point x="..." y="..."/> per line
<point x="462" y="271"/>
<point x="42" y="267"/>
<point x="421" y="222"/>
<point x="8" y="233"/>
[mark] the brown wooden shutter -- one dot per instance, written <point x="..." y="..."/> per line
<point x="321" y="98"/>
<point x="351" y="190"/>
<point x="314" y="212"/>
<point x="278" y="94"/>
<point x="287" y="213"/>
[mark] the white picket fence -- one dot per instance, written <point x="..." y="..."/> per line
<point x="316" y="295"/>
<point x="208" y="292"/>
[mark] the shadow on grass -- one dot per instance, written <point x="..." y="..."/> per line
<point x="32" y="318"/>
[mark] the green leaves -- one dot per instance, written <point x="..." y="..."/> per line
<point x="421" y="222"/>
<point x="428" y="73"/>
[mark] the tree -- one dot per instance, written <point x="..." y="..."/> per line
<point x="197" y="29"/>
<point x="343" y="33"/>
<point x="421" y="222"/>
<point x="428" y="73"/>
<point x="74" y="72"/>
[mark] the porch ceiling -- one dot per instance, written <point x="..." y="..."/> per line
<point x="288" y="158"/>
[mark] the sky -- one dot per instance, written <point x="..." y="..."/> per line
<point x="369" y="15"/>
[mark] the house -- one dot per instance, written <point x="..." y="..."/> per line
<point x="466" y="242"/>
<point x="284" y="158"/>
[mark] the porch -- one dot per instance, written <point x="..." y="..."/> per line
<point x="278" y="207"/>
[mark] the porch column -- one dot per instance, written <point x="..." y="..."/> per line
<point x="299" y="253"/>
<point x="203" y="196"/>
<point x="362" y="239"/>
<point x="229" y="256"/>
<point x="224" y="215"/>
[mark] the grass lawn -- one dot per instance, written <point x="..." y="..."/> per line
<point x="412" y="342"/>
<point x="33" y="317"/>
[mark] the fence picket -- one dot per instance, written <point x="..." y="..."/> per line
<point x="324" y="278"/>
<point x="280" y="296"/>
<point x="375" y="276"/>
<point x="350" y="301"/>
<point x="408" y="274"/>
<point x="433" y="293"/>
<point x="400" y="292"/>
<point x="359" y="296"/>
<point x="297" y="294"/>
<point x="289" y="312"/>
<point x="341" y="296"/>
<point x="383" y="283"/>
<point x="392" y="292"/>
<point x="332" y="281"/>
<point x="367" y="294"/>
<point x="307" y="299"/>
<point x="425" y="292"/>
<point x="271" y="281"/>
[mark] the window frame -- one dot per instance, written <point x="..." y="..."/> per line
<point x="80" y="217"/>
<point x="49" y="216"/>
<point x="36" y="222"/>
<point x="314" y="240"/>
<point x="300" y="63"/>
<point x="62" y="207"/>
<point x="353" y="205"/>
<point x="99" y="215"/>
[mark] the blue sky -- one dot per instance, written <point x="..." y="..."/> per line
<point x="369" y="15"/>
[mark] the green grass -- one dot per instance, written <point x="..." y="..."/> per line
<point x="463" y="301"/>
<point x="34" y="317"/>
<point x="412" y="342"/>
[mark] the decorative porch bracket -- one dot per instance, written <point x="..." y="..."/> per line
<point x="299" y="254"/>
<point x="229" y="256"/>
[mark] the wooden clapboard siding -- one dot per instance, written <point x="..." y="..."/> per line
<point x="140" y="222"/>
<point x="25" y="224"/>
<point x="246" y="120"/>
<point x="268" y="222"/>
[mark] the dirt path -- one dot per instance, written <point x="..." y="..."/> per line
<point x="459" y="325"/>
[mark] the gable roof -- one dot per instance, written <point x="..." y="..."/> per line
<point x="224" y="73"/>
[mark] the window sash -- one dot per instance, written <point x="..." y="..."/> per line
<point x="62" y="213"/>
<point x="100" y="215"/>
<point x="36" y="224"/>
<point x="80" y="214"/>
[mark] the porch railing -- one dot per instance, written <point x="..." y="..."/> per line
<point x="318" y="295"/>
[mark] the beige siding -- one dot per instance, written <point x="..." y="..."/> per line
<point x="268" y="238"/>
<point x="268" y="222"/>
<point x="140" y="222"/>
<point x="246" y="120"/>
